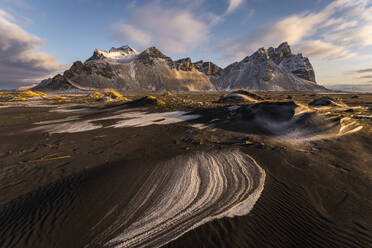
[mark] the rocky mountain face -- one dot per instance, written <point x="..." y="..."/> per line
<point x="208" y="68"/>
<point x="121" y="54"/>
<point x="273" y="69"/>
<point x="296" y="64"/>
<point x="124" y="68"/>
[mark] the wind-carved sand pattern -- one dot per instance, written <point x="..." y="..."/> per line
<point x="139" y="119"/>
<point x="318" y="127"/>
<point x="309" y="124"/>
<point x="75" y="124"/>
<point x="324" y="128"/>
<point x="184" y="193"/>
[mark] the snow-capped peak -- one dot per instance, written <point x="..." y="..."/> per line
<point x="124" y="51"/>
<point x="123" y="54"/>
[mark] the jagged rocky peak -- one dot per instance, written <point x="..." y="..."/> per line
<point x="151" y="54"/>
<point x="208" y="68"/>
<point x="120" y="55"/>
<point x="127" y="50"/>
<point x="299" y="66"/>
<point x="102" y="69"/>
<point x="98" y="54"/>
<point x="184" y="64"/>
<point x="277" y="54"/>
<point x="285" y="59"/>
<point x="293" y="63"/>
<point x="77" y="67"/>
<point x="275" y="69"/>
<point x="260" y="55"/>
<point x="260" y="63"/>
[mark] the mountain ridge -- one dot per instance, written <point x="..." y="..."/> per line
<point x="124" y="68"/>
<point x="272" y="69"/>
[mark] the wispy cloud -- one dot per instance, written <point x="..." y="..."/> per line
<point x="321" y="49"/>
<point x="173" y="30"/>
<point x="19" y="60"/>
<point x="6" y="15"/>
<point x="360" y="74"/>
<point x="20" y="4"/>
<point x="366" y="70"/>
<point x="329" y="33"/>
<point x="366" y="76"/>
<point x="129" y="32"/>
<point x="233" y="5"/>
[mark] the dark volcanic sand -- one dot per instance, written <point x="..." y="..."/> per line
<point x="65" y="189"/>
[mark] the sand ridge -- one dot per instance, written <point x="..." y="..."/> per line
<point x="187" y="192"/>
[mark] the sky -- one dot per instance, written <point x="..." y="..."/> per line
<point x="39" y="38"/>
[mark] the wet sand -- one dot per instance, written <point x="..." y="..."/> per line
<point x="75" y="189"/>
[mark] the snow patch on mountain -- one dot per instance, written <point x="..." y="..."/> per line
<point x="124" y="54"/>
<point x="123" y="68"/>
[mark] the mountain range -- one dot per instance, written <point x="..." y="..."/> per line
<point x="124" y="68"/>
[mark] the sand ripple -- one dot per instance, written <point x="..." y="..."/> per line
<point x="185" y="193"/>
<point x="76" y="124"/>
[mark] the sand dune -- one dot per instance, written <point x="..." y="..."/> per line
<point x="120" y="176"/>
<point x="290" y="120"/>
<point x="185" y="193"/>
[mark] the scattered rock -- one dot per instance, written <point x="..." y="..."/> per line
<point x="240" y="96"/>
<point x="269" y="111"/>
<point x="248" y="93"/>
<point x="325" y="101"/>
<point x="148" y="100"/>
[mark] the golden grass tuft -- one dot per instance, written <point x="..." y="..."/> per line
<point x="112" y="93"/>
<point x="167" y="93"/>
<point x="160" y="102"/>
<point x="151" y="97"/>
<point x="96" y="95"/>
<point x="115" y="95"/>
<point x="25" y="95"/>
<point x="58" y="98"/>
<point x="19" y="98"/>
<point x="30" y="93"/>
<point x="155" y="100"/>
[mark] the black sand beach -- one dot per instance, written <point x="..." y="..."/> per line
<point x="91" y="180"/>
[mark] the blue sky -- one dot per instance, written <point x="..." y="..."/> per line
<point x="40" y="38"/>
